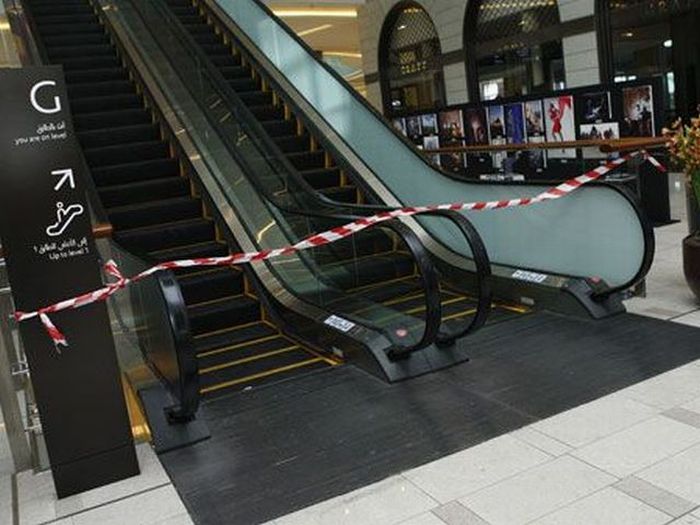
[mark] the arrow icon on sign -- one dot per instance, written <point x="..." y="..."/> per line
<point x="66" y="176"/>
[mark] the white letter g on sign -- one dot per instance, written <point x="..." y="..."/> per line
<point x="57" y="102"/>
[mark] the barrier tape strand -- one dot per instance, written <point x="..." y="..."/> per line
<point x="319" y="239"/>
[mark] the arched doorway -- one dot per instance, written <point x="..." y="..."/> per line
<point x="410" y="61"/>
<point x="513" y="48"/>
<point x="653" y="38"/>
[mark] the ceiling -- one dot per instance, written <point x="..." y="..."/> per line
<point x="330" y="27"/>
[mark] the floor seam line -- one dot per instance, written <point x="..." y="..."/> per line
<point x="106" y="504"/>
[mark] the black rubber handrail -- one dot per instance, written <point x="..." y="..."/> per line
<point x="235" y="104"/>
<point x="186" y="384"/>
<point x="431" y="287"/>
<point x="482" y="272"/>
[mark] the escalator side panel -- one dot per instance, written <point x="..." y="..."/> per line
<point x="598" y="232"/>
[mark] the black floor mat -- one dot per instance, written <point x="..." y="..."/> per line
<point x="282" y="448"/>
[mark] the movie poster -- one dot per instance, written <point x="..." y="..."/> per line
<point x="400" y="125"/>
<point x="534" y="119"/>
<point x="497" y="133"/>
<point x="560" y="125"/>
<point x="498" y="157"/>
<point x="414" y="131"/>
<point x="476" y="128"/>
<point x="452" y="161"/>
<point x="451" y="135"/>
<point x="595" y="107"/>
<point x="496" y="123"/>
<point x="451" y="126"/>
<point x="601" y="131"/>
<point x="429" y="124"/>
<point x="477" y="134"/>
<point x="638" y="107"/>
<point x="515" y="123"/>
<point x="429" y="143"/>
<point x="536" y="158"/>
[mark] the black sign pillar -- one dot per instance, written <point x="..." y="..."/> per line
<point x="46" y="235"/>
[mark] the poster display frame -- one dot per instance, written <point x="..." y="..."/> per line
<point x="554" y="168"/>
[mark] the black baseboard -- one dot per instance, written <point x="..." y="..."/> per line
<point x="169" y="436"/>
<point x="95" y="471"/>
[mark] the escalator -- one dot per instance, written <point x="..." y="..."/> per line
<point x="152" y="209"/>
<point x="601" y="246"/>
<point x="308" y="169"/>
<point x="160" y="211"/>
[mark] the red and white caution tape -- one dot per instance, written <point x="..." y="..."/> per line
<point x="312" y="241"/>
<point x="654" y="162"/>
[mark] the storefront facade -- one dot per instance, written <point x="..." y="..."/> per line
<point x="437" y="53"/>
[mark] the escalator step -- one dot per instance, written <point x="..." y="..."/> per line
<point x="154" y="212"/>
<point x="125" y="135"/>
<point x="345" y="194"/>
<point x="136" y="192"/>
<point x="391" y="290"/>
<point x="178" y="7"/>
<point x="234" y="311"/>
<point x="235" y="73"/>
<point x="366" y="271"/>
<point x="69" y="39"/>
<point x="192" y="251"/>
<point x="51" y="9"/>
<point x="199" y="27"/>
<point x="115" y="119"/>
<point x="216" y="49"/>
<point x="293" y="143"/>
<point x="89" y="77"/>
<point x="136" y="172"/>
<point x="278" y="360"/>
<point x="212" y="284"/>
<point x="49" y="30"/>
<point x="89" y="62"/>
<point x="164" y="236"/>
<point x="244" y="350"/>
<point x="322" y="178"/>
<point x="256" y="98"/>
<point x="186" y="16"/>
<point x="365" y="243"/>
<point x="208" y="38"/>
<point x="267" y="112"/>
<point x="85" y="17"/>
<point x="308" y="160"/>
<point x="59" y="53"/>
<point x="127" y="153"/>
<point x="101" y="89"/>
<point x="280" y="127"/>
<point x="235" y="337"/>
<point x="39" y="3"/>
<point x="107" y="119"/>
<point x="106" y="103"/>
<point x="303" y="362"/>
<point x="226" y="60"/>
<point x="243" y="85"/>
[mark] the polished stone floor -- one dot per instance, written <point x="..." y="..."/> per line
<point x="148" y="499"/>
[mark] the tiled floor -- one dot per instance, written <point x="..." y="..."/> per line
<point x="148" y="499"/>
<point x="630" y="458"/>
